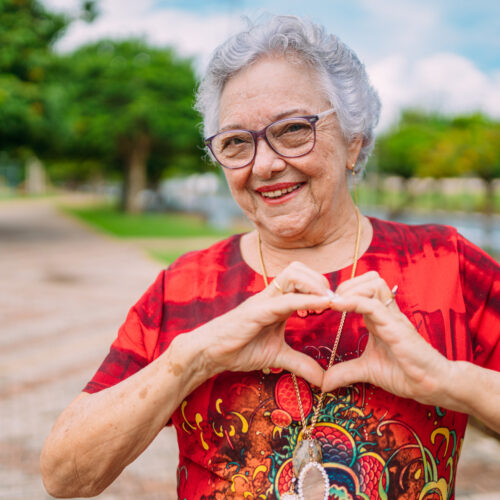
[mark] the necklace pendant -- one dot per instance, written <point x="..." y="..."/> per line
<point x="313" y="482"/>
<point x="290" y="496"/>
<point x="308" y="450"/>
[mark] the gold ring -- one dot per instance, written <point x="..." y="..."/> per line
<point x="393" y="296"/>
<point x="278" y="287"/>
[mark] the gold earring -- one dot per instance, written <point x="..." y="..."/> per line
<point x="355" y="191"/>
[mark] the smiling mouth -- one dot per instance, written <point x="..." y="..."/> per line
<point x="278" y="193"/>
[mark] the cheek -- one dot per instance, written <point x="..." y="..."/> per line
<point x="236" y="180"/>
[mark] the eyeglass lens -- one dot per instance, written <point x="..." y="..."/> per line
<point x="290" y="138"/>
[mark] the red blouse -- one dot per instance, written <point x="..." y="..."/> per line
<point x="237" y="431"/>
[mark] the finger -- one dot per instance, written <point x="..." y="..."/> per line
<point x="361" y="279"/>
<point x="343" y="374"/>
<point x="269" y="310"/>
<point x="388" y="324"/>
<point x="359" y="304"/>
<point x="297" y="277"/>
<point x="372" y="309"/>
<point x="301" y="365"/>
<point x="370" y="285"/>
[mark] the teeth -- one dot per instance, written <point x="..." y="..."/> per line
<point x="279" y="192"/>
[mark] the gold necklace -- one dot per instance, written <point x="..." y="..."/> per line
<point x="308" y="471"/>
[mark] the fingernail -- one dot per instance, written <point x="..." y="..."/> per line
<point x="336" y="298"/>
<point x="331" y="293"/>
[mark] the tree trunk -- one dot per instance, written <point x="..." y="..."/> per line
<point x="489" y="199"/>
<point x="135" y="173"/>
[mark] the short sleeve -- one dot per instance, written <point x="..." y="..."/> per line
<point x="480" y="276"/>
<point x="136" y="341"/>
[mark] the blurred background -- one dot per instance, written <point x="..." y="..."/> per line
<point x="104" y="181"/>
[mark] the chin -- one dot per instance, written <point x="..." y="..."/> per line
<point x="289" y="230"/>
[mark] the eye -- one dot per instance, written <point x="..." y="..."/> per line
<point x="294" y="127"/>
<point x="289" y="128"/>
<point x="234" y="141"/>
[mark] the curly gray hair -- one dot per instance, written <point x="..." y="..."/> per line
<point x="342" y="75"/>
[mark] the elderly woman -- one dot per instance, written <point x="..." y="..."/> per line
<point x="284" y="358"/>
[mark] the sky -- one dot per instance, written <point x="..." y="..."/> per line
<point x="441" y="55"/>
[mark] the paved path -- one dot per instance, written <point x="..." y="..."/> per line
<point x="64" y="290"/>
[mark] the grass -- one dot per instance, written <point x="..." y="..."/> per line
<point x="164" y="236"/>
<point x="148" y="225"/>
<point x="168" y="256"/>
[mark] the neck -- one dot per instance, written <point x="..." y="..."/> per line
<point x="332" y="252"/>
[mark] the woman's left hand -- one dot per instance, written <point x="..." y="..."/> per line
<point x="396" y="357"/>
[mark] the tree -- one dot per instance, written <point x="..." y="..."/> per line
<point x="401" y="150"/>
<point x="469" y="146"/>
<point x="27" y="33"/>
<point x="127" y="103"/>
<point x="429" y="145"/>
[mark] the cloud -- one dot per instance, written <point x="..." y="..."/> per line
<point x="398" y="39"/>
<point x="193" y="35"/>
<point x="443" y="82"/>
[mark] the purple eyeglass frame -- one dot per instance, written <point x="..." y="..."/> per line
<point x="312" y="119"/>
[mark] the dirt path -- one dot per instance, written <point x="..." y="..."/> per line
<point x="64" y="290"/>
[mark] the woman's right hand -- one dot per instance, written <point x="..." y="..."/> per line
<point x="252" y="335"/>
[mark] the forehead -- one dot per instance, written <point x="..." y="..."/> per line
<point x="267" y="89"/>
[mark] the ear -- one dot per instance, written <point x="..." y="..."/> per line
<point x="353" y="149"/>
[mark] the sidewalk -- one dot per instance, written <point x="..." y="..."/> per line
<point x="64" y="290"/>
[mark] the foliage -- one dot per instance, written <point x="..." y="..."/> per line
<point x="430" y="145"/>
<point x="471" y="144"/>
<point x="401" y="150"/>
<point x="437" y="146"/>
<point x="131" y="105"/>
<point x="27" y="33"/>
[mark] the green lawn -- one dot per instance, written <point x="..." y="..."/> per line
<point x="167" y="256"/>
<point x="150" y="225"/>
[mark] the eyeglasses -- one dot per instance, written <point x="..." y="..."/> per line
<point x="290" y="138"/>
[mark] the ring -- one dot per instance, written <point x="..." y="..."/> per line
<point x="278" y="287"/>
<point x="393" y="296"/>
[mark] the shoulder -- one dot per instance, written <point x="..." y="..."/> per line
<point x="201" y="269"/>
<point x="220" y="255"/>
<point x="416" y="239"/>
<point x="431" y="250"/>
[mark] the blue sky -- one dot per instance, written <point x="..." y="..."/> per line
<point x="470" y="28"/>
<point x="440" y="54"/>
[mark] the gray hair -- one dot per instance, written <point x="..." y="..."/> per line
<point x="342" y="76"/>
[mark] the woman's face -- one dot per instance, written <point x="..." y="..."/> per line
<point x="290" y="198"/>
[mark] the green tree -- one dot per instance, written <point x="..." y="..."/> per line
<point x="470" y="145"/>
<point x="129" y="104"/>
<point x="27" y="33"/>
<point x="430" y="145"/>
<point x="401" y="150"/>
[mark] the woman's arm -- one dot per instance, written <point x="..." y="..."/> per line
<point x="98" y="435"/>
<point x="474" y="390"/>
<point x="400" y="361"/>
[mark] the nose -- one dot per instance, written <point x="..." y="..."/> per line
<point x="266" y="161"/>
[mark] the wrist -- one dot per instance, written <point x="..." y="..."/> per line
<point x="187" y="358"/>
<point x="458" y="386"/>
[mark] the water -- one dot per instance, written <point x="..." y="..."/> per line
<point x="220" y="210"/>
<point x="482" y="230"/>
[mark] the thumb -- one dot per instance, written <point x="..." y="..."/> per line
<point x="343" y="374"/>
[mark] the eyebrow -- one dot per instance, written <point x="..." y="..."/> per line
<point x="284" y="114"/>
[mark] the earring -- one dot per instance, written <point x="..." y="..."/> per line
<point x="354" y="190"/>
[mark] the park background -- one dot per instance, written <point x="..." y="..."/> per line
<point x="103" y="178"/>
